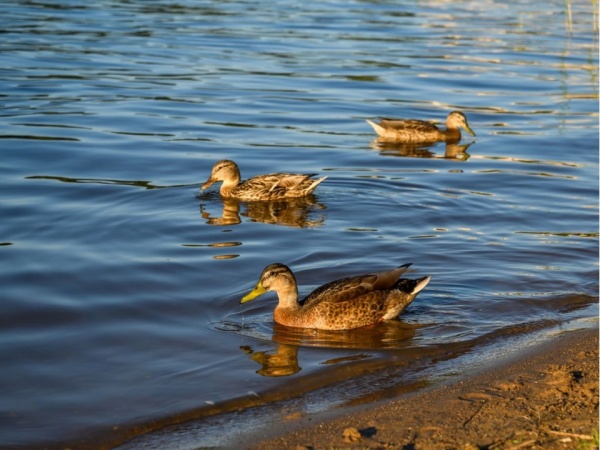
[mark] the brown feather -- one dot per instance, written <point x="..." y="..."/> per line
<point x="413" y="131"/>
<point x="343" y="304"/>
<point x="273" y="186"/>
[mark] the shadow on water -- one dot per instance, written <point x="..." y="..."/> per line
<point x="304" y="212"/>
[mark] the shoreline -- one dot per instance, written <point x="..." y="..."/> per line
<point x="545" y="397"/>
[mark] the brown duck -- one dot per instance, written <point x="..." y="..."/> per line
<point x="273" y="186"/>
<point x="419" y="131"/>
<point x="343" y="304"/>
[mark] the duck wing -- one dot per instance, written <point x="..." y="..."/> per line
<point x="408" y="124"/>
<point x="261" y="183"/>
<point x="350" y="288"/>
<point x="292" y="180"/>
<point x="272" y="181"/>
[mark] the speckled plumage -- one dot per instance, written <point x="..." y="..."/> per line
<point x="343" y="304"/>
<point x="419" y="131"/>
<point x="273" y="186"/>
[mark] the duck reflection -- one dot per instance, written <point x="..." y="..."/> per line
<point x="392" y="334"/>
<point x="305" y="212"/>
<point x="452" y="150"/>
<point x="455" y="151"/>
<point x="282" y="363"/>
<point x="283" y="359"/>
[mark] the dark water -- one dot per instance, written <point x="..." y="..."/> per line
<point x="120" y="286"/>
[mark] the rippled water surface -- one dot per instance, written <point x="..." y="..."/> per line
<point x="120" y="282"/>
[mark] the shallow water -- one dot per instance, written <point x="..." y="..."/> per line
<point x="121" y="283"/>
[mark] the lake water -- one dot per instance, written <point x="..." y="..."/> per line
<point x="120" y="284"/>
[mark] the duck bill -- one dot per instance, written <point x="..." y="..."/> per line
<point x="208" y="183"/>
<point x="256" y="292"/>
<point x="468" y="129"/>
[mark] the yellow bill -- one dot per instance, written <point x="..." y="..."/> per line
<point x="468" y="129"/>
<point x="256" y="292"/>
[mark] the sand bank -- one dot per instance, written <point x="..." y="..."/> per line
<point x="544" y="398"/>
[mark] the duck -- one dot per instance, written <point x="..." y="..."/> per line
<point x="273" y="186"/>
<point x="420" y="131"/>
<point x="344" y="304"/>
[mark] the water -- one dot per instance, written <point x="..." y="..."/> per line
<point x="120" y="284"/>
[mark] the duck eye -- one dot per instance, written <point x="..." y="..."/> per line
<point x="271" y="274"/>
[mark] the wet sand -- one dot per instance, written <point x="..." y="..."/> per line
<point x="545" y="398"/>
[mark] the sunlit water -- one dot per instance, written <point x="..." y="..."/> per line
<point x="120" y="283"/>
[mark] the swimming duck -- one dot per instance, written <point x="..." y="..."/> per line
<point x="273" y="186"/>
<point x="419" y="131"/>
<point x="343" y="304"/>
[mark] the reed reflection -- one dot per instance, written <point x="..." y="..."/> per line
<point x="282" y="360"/>
<point x="452" y="150"/>
<point x="305" y="212"/>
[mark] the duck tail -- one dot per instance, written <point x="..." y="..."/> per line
<point x="378" y="128"/>
<point x="412" y="287"/>
<point x="314" y="185"/>
<point x="399" y="271"/>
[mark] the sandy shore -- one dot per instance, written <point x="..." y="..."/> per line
<point x="546" y="398"/>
